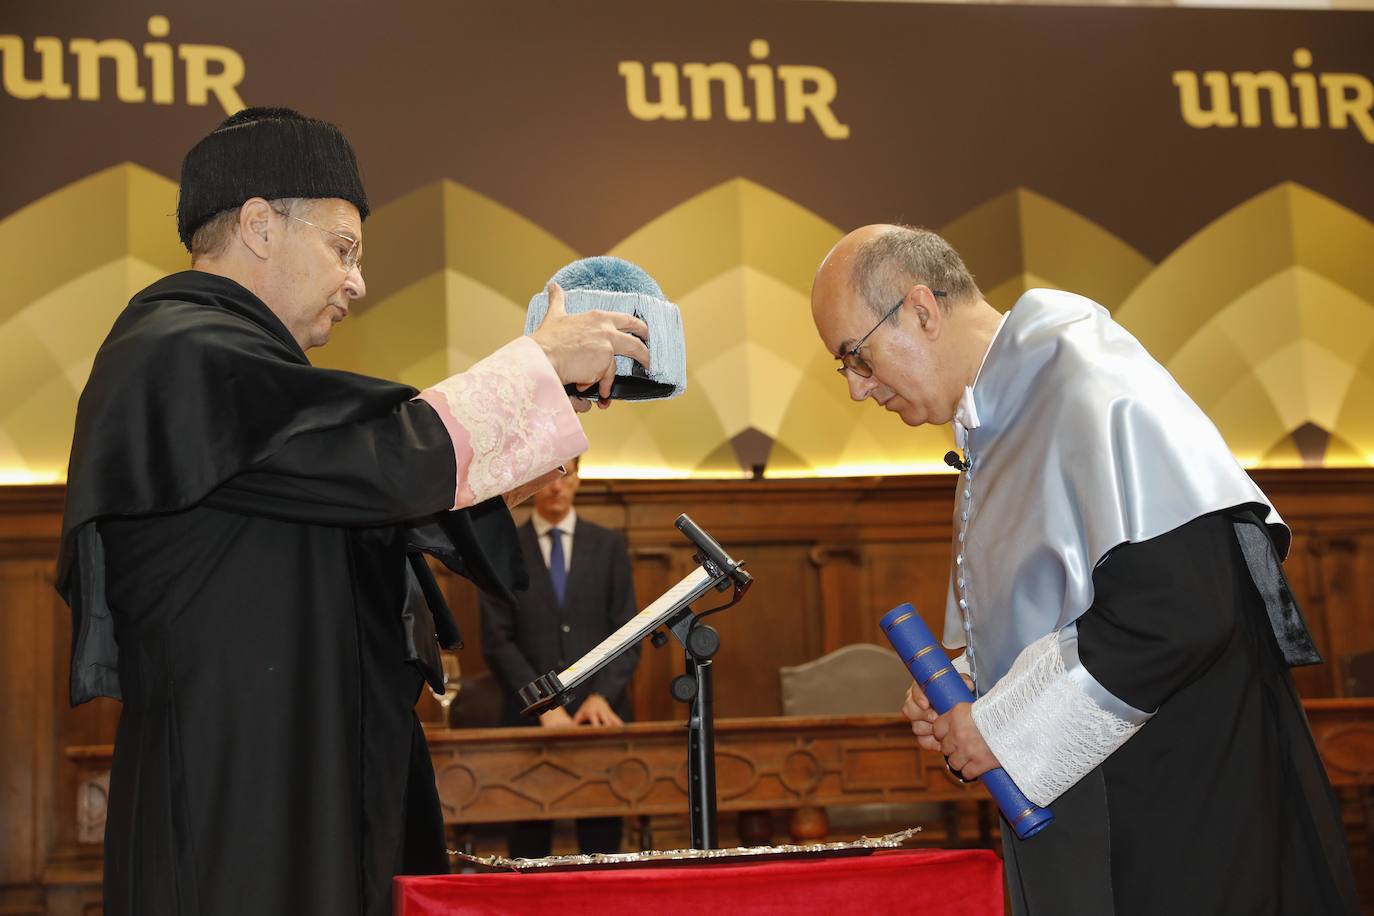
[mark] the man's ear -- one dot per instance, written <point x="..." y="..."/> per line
<point x="255" y="221"/>
<point x="926" y="309"/>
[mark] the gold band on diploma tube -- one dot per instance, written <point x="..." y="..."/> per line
<point x="904" y="617"/>
<point x="936" y="676"/>
<point x="919" y="654"/>
<point x="1021" y="817"/>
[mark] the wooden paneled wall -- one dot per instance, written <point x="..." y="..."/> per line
<point x="829" y="558"/>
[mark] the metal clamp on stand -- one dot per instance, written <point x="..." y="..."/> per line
<point x="672" y="611"/>
<point x="542" y="694"/>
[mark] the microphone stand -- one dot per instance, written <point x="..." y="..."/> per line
<point x="699" y="643"/>
<point x="697" y="688"/>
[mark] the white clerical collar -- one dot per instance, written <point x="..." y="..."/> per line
<point x="542" y="525"/>
<point x="966" y="413"/>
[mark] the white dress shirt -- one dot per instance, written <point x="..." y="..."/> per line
<point x="541" y="531"/>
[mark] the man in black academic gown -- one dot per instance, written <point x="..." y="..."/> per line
<point x="245" y="535"/>
<point x="1116" y="585"/>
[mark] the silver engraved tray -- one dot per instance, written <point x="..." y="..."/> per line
<point x="674" y="857"/>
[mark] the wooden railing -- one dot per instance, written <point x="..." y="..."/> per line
<point x="787" y="762"/>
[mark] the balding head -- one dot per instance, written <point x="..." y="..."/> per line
<point x="881" y="262"/>
<point x="902" y="299"/>
<point x="832" y="285"/>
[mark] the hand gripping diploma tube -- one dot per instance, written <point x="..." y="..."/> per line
<point x="930" y="666"/>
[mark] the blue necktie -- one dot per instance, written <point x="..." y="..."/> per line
<point x="558" y="569"/>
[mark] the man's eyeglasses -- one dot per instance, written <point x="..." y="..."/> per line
<point x="350" y="258"/>
<point x="851" y="361"/>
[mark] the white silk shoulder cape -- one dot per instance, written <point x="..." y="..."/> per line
<point x="1085" y="442"/>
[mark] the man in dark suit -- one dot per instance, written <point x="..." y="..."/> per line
<point x="580" y="591"/>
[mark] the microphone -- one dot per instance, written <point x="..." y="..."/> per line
<point x="953" y="460"/>
<point x="714" y="552"/>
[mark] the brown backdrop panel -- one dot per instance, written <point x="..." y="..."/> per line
<point x="914" y="571"/>
<point x="38" y="816"/>
<point x="24" y="675"/>
<point x="656" y="569"/>
<point x="1076" y="103"/>
<point x="1303" y="576"/>
<point x="1343" y="566"/>
<point x="778" y="623"/>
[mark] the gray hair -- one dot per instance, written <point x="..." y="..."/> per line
<point x="214" y="235"/>
<point x="886" y="266"/>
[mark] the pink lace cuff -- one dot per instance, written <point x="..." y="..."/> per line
<point x="509" y="419"/>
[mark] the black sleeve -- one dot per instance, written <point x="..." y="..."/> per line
<point x="376" y="472"/>
<point x="610" y="681"/>
<point x="479" y="543"/>
<point x="502" y="655"/>
<point x="1163" y="611"/>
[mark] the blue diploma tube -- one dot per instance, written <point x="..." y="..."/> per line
<point x="930" y="666"/>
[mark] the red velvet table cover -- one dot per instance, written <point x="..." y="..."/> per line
<point x="912" y="883"/>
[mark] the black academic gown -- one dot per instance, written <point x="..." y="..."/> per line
<point x="1219" y="804"/>
<point x="257" y="565"/>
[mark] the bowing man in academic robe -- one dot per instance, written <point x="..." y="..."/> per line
<point x="245" y="539"/>
<point x="581" y="590"/>
<point x="1117" y="591"/>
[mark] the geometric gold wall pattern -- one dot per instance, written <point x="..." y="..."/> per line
<point x="1023" y="240"/>
<point x="70" y="262"/>
<point x="1265" y="316"/>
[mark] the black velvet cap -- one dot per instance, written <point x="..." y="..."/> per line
<point x="269" y="153"/>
